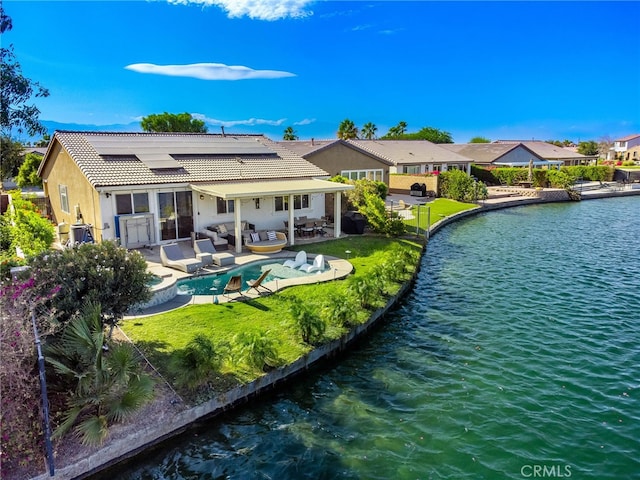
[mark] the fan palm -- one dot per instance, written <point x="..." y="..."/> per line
<point x="109" y="385"/>
<point x="289" y="134"/>
<point x="347" y="130"/>
<point x="369" y="131"/>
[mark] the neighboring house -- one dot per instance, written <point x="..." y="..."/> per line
<point x="341" y="157"/>
<point x="544" y="155"/>
<point x="627" y="148"/>
<point x="567" y="155"/>
<point x="153" y="188"/>
<point x="377" y="159"/>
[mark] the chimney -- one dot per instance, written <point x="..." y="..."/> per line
<point x="312" y="141"/>
<point x="222" y="128"/>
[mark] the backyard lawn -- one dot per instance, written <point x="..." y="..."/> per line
<point x="236" y="328"/>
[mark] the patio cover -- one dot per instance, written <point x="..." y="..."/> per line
<point x="233" y="190"/>
<point x="264" y="188"/>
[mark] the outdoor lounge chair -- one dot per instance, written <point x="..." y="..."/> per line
<point x="301" y="259"/>
<point x="172" y="257"/>
<point x="256" y="284"/>
<point x="206" y="252"/>
<point x="234" y="285"/>
<point x="316" y="266"/>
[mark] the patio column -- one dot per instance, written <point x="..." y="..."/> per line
<point x="237" y="223"/>
<point x="337" y="214"/>
<point x="292" y="227"/>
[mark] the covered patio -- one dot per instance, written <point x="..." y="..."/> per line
<point x="243" y="190"/>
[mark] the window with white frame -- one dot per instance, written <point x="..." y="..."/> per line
<point x="371" y="174"/>
<point x="411" y="169"/>
<point x="299" y="202"/>
<point x="64" y="198"/>
<point x="224" y="206"/>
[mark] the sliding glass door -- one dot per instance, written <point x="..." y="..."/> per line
<point x="176" y="215"/>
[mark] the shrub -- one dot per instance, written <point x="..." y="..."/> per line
<point x="308" y="322"/>
<point x="25" y="229"/>
<point x="104" y="273"/>
<point x="196" y="363"/>
<point x="342" y="309"/>
<point x="457" y="185"/>
<point x="560" y="179"/>
<point x="364" y="290"/>
<point x="378" y="219"/>
<point x="256" y="349"/>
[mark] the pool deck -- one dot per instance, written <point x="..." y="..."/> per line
<point x="340" y="268"/>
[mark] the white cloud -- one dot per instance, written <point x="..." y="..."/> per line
<point x="306" y="121"/>
<point x="233" y="123"/>
<point x="208" y="71"/>
<point x="256" y="9"/>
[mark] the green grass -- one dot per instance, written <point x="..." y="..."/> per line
<point x="161" y="336"/>
<point x="438" y="209"/>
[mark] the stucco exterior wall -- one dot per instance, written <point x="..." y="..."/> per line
<point x="519" y="155"/>
<point x="402" y="183"/>
<point x="79" y="192"/>
<point x="340" y="157"/>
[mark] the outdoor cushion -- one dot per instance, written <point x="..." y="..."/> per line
<point x="255" y="237"/>
<point x="271" y="235"/>
<point x="263" y="236"/>
<point x="222" y="228"/>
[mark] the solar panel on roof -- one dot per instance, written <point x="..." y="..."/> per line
<point x="176" y="145"/>
<point x="158" y="160"/>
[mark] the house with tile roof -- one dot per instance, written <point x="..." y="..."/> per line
<point x="154" y="188"/>
<point x="627" y="148"/>
<point x="378" y="159"/>
<point x="505" y="154"/>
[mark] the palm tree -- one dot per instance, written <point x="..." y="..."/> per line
<point x="369" y="131"/>
<point x="289" y="134"/>
<point x="107" y="385"/>
<point x="397" y="131"/>
<point x="347" y="130"/>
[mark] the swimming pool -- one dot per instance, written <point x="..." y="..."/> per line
<point x="214" y="284"/>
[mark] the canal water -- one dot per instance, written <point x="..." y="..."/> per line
<point x="517" y="355"/>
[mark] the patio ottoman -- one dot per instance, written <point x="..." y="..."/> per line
<point x="221" y="259"/>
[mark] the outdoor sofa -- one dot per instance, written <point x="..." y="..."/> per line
<point x="265" y="241"/>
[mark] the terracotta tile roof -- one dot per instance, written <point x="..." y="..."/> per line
<point x="191" y="158"/>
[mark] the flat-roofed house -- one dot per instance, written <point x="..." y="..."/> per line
<point x="154" y="188"/>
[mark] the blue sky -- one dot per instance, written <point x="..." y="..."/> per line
<point x="544" y="70"/>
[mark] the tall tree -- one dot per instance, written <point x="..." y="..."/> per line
<point x="172" y="122"/>
<point x="479" y="140"/>
<point x="605" y="146"/>
<point x="431" y="134"/>
<point x="15" y="91"/>
<point x="11" y="155"/>
<point x="28" y="173"/>
<point x="368" y="131"/>
<point x="289" y="134"/>
<point x="347" y="130"/>
<point x="588" y="148"/>
<point x="396" y="131"/>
